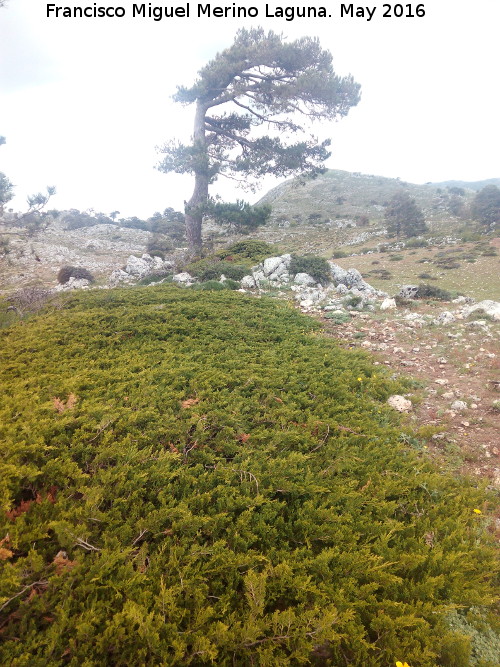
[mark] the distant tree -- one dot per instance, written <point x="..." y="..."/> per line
<point x="259" y="80"/>
<point x="113" y="215"/>
<point x="486" y="206"/>
<point x="30" y="219"/>
<point x="404" y="217"/>
<point x="456" y="205"/>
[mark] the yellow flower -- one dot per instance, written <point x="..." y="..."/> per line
<point x="360" y="379"/>
<point x="401" y="664"/>
<point x="477" y="512"/>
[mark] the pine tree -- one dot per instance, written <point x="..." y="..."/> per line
<point x="259" y="80"/>
<point x="404" y="217"/>
<point x="486" y="206"/>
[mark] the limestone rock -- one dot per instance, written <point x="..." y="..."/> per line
<point x="408" y="291"/>
<point x="183" y="278"/>
<point x="304" y="279"/>
<point x="491" y="308"/>
<point x="399" y="403"/>
<point x="459" y="406"/>
<point x="388" y="304"/>
<point x="248" y="282"/>
<point x="444" y="318"/>
<point x="271" y="264"/>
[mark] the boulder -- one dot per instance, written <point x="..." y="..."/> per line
<point x="119" y="276"/>
<point x="248" y="282"/>
<point x="183" y="278"/>
<point x="459" y="406"/>
<point x="388" y="304"/>
<point x="271" y="264"/>
<point x="444" y="318"/>
<point x="338" y="274"/>
<point x="408" y="292"/>
<point x="304" y="279"/>
<point x="137" y="266"/>
<point x="279" y="271"/>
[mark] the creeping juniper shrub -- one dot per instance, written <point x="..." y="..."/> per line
<point x="199" y="478"/>
<point x="317" y="267"/>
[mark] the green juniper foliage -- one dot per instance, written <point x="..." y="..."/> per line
<point x="199" y="478"/>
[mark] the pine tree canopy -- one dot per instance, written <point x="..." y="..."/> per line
<point x="259" y="80"/>
<point x="404" y="217"/>
<point x="486" y="205"/>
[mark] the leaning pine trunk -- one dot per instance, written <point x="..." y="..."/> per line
<point x="195" y="207"/>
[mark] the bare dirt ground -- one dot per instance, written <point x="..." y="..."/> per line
<point x="450" y="363"/>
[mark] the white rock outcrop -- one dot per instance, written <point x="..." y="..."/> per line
<point x="399" y="403"/>
<point x="491" y="308"/>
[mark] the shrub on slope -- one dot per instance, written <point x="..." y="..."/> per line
<point x="196" y="478"/>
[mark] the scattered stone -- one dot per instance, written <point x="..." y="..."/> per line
<point x="441" y="381"/>
<point x="388" y="304"/>
<point x="448" y="395"/>
<point x="444" y="318"/>
<point x="459" y="406"/>
<point x="399" y="403"/>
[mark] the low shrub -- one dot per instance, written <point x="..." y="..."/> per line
<point x="338" y="254"/>
<point x="337" y="318"/>
<point x="317" y="267"/>
<point x="232" y="284"/>
<point x="160" y="245"/>
<point x="433" y="292"/>
<point x="253" y="250"/>
<point x="416" y="243"/>
<point x="212" y="268"/>
<point x="155" y="278"/>
<point x="426" y="276"/>
<point x="67" y="272"/>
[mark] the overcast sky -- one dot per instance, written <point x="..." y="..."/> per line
<point x="84" y="102"/>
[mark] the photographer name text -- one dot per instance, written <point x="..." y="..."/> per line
<point x="234" y="11"/>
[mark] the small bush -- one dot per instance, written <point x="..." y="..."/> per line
<point x="395" y="258"/>
<point x="231" y="284"/>
<point x="416" y="243"/>
<point x="489" y="252"/>
<point x="67" y="272"/>
<point x="155" y="278"/>
<point x="381" y="274"/>
<point x="432" y="292"/>
<point x="251" y="249"/>
<point x="160" y="245"/>
<point x="212" y="268"/>
<point x="337" y="318"/>
<point x="338" y="254"/>
<point x="317" y="267"/>
<point x="353" y="301"/>
<point x="426" y="276"/>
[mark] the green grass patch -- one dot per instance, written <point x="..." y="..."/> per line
<point x="197" y="478"/>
